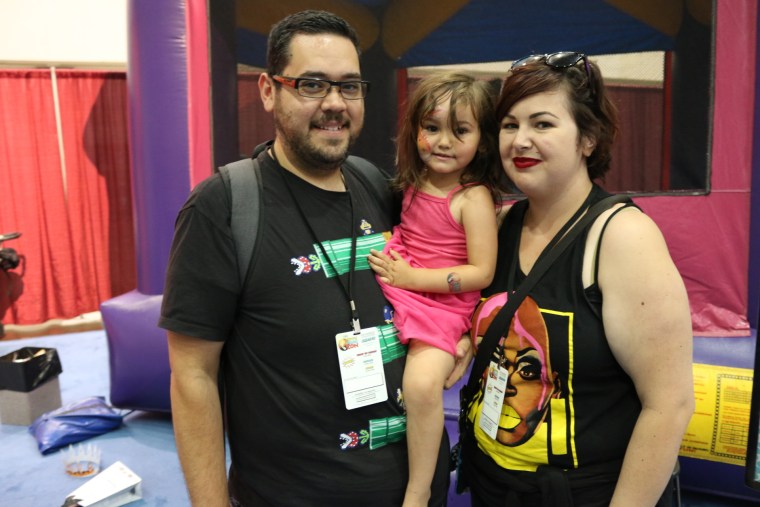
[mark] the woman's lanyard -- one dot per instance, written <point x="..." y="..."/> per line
<point x="348" y="289"/>
<point x="560" y="234"/>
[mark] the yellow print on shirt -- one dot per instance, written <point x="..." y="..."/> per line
<point x="537" y="409"/>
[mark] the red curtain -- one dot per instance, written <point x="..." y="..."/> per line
<point x="66" y="188"/>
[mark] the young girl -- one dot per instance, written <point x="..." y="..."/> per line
<point x="444" y="250"/>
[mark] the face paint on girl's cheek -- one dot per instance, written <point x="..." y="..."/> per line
<point x="423" y="147"/>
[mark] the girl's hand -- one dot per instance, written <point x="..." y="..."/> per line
<point x="393" y="269"/>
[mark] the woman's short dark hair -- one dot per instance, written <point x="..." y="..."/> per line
<point x="594" y="114"/>
<point x="309" y="22"/>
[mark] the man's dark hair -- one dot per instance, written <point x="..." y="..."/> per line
<point x="309" y="22"/>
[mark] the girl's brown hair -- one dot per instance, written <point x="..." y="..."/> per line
<point x="461" y="89"/>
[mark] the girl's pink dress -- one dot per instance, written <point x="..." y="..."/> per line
<point x="429" y="237"/>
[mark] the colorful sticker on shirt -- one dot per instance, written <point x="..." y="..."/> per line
<point x="354" y="439"/>
<point x="388" y="314"/>
<point x="381" y="432"/>
<point x="390" y="346"/>
<point x="339" y="252"/>
<point x="386" y="431"/>
<point x="366" y="228"/>
<point x="305" y="265"/>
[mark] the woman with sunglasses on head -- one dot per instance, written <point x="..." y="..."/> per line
<point x="589" y="389"/>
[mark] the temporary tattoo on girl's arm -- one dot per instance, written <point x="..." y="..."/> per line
<point x="454" y="282"/>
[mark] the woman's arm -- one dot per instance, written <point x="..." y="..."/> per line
<point x="648" y="325"/>
<point x="475" y="210"/>
<point x="462" y="360"/>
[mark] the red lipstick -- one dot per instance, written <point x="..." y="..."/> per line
<point x="524" y="162"/>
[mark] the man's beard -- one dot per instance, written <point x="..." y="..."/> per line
<point x="325" y="158"/>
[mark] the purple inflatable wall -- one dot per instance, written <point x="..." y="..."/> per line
<point x="167" y="73"/>
<point x="158" y="129"/>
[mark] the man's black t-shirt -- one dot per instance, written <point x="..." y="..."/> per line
<point x="292" y="440"/>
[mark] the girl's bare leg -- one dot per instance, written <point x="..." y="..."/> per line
<point x="426" y="370"/>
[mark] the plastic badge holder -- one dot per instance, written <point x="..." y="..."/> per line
<point x="73" y="423"/>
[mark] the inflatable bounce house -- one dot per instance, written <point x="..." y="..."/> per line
<point x="182" y="86"/>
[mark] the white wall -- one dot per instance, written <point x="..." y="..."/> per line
<point x="79" y="33"/>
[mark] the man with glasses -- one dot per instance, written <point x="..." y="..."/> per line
<point x="310" y="369"/>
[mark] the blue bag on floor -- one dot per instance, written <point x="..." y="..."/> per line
<point x="73" y="423"/>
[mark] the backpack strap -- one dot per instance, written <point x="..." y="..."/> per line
<point x="243" y="181"/>
<point x="376" y="180"/>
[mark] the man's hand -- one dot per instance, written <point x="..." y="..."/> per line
<point x="463" y="358"/>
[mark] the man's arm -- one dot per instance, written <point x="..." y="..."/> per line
<point x="197" y="418"/>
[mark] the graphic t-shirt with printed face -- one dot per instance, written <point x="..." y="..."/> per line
<point x="567" y="402"/>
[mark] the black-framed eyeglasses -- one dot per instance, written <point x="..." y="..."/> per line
<point x="317" y="88"/>
<point x="559" y="60"/>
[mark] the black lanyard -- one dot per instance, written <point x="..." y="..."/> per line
<point x="348" y="289"/>
<point x="558" y="236"/>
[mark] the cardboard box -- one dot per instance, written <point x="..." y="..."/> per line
<point x="23" y="408"/>
<point x="27" y="368"/>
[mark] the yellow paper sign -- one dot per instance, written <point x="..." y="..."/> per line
<point x="719" y="428"/>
